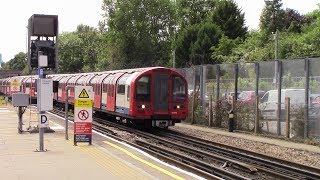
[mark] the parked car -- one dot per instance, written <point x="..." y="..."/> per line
<point x="228" y="96"/>
<point x="268" y="106"/>
<point x="248" y="97"/>
<point x="316" y="100"/>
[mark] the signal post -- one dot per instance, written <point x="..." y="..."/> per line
<point x="42" y="59"/>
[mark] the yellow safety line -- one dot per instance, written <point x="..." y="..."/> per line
<point x="144" y="161"/>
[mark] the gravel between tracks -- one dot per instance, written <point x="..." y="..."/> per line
<point x="289" y="154"/>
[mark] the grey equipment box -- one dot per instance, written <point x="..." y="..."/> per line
<point x="20" y="99"/>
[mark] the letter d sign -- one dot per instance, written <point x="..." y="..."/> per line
<point x="43" y="121"/>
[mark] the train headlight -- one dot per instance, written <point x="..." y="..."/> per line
<point x="144" y="106"/>
<point x="179" y="106"/>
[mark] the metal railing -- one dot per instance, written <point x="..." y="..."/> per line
<point x="252" y="81"/>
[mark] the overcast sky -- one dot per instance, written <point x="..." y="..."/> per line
<point x="14" y="15"/>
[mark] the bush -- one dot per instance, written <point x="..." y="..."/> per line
<point x="297" y="119"/>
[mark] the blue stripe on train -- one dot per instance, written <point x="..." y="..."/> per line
<point x="103" y="106"/>
<point x="123" y="110"/>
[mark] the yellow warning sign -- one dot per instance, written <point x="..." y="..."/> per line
<point x="83" y="94"/>
<point x="15" y="83"/>
<point x="3" y="100"/>
<point x="83" y="103"/>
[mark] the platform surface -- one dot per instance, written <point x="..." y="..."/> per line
<point x="105" y="159"/>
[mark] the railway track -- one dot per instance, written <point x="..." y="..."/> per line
<point x="275" y="167"/>
<point x="201" y="156"/>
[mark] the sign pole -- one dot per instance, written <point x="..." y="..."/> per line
<point x="66" y="111"/>
<point x="41" y="130"/>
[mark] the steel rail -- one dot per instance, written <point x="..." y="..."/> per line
<point x="273" y="164"/>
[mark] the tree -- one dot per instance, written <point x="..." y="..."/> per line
<point x="90" y="43"/>
<point x="229" y="18"/>
<point x="193" y="44"/>
<point x="70" y="53"/>
<point x="272" y="16"/>
<point x="294" y="21"/>
<point x="222" y="51"/>
<point x="140" y="32"/>
<point x="81" y="51"/>
<point x="191" y="12"/>
<point x="19" y="62"/>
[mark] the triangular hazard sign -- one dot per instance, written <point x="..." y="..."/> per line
<point x="83" y="94"/>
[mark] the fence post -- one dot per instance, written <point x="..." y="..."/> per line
<point x="279" y="80"/>
<point x="193" y="97"/>
<point x="210" y="111"/>
<point x="204" y="89"/>
<point x="235" y="98"/>
<point x="287" y="109"/>
<point x="306" y="106"/>
<point x="257" y="72"/>
<point x="256" y="124"/>
<point x="217" y="112"/>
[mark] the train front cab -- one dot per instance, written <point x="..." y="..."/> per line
<point x="160" y="95"/>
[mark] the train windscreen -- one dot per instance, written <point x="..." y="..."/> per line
<point x="143" y="89"/>
<point x="179" y="89"/>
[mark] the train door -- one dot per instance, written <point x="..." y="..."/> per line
<point x="105" y="91"/>
<point x="97" y="95"/>
<point x="93" y="82"/>
<point x="62" y="88"/>
<point x="161" y="93"/>
<point x="111" y="99"/>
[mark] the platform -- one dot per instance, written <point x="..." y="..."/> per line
<point x="105" y="159"/>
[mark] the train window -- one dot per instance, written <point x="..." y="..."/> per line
<point x="143" y="89"/>
<point x="179" y="89"/>
<point x="104" y="88"/>
<point x="121" y="84"/>
<point x="120" y="89"/>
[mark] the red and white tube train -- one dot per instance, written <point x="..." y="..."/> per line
<point x="152" y="97"/>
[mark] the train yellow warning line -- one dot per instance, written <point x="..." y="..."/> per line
<point x="144" y="161"/>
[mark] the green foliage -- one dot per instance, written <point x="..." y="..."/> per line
<point x="82" y="50"/>
<point x="19" y="62"/>
<point x="140" y="31"/>
<point x="90" y="43"/>
<point x="246" y="83"/>
<point x="229" y="18"/>
<point x="224" y="48"/>
<point x="70" y="53"/>
<point x="297" y="118"/>
<point x="314" y="86"/>
<point x="287" y="80"/>
<point x="264" y="85"/>
<point x="194" y="42"/>
<point x="193" y="12"/>
<point x="272" y="17"/>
